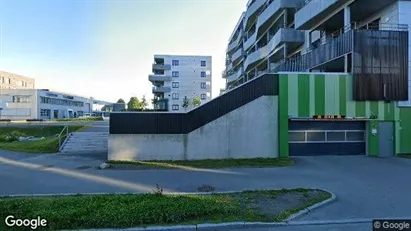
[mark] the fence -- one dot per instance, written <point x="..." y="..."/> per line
<point x="183" y="123"/>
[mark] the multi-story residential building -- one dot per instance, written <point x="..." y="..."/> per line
<point x="264" y="35"/>
<point x="14" y="81"/>
<point x="176" y="77"/>
<point x="325" y="36"/>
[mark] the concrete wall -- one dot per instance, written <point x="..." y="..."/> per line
<point x="14" y="81"/>
<point x="251" y="131"/>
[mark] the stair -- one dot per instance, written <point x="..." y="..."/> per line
<point x="80" y="142"/>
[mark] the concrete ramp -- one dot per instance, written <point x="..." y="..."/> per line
<point x="86" y="142"/>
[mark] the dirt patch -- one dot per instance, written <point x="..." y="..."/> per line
<point x="276" y="203"/>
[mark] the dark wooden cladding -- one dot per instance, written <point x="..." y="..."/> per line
<point x="380" y="65"/>
<point x="183" y="123"/>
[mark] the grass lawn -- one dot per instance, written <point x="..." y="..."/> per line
<point x="48" y="145"/>
<point x="84" y="119"/>
<point x="227" y="163"/>
<point x="123" y="211"/>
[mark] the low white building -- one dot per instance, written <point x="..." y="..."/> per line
<point x="22" y="104"/>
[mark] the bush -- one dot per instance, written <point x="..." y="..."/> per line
<point x="8" y="138"/>
<point x="17" y="134"/>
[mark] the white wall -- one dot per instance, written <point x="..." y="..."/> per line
<point x="189" y="78"/>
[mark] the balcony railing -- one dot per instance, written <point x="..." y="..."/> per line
<point x="161" y="78"/>
<point x="161" y="89"/>
<point x="302" y="4"/>
<point x="337" y="45"/>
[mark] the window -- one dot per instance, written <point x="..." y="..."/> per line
<point x="203" y="63"/>
<point x="45" y="112"/>
<point x="175" y="63"/>
<point x="175" y="96"/>
<point x="175" y="107"/>
<point x="203" y="85"/>
<point x="2" y="79"/>
<point x="21" y="99"/>
<point x="9" y="81"/>
<point x="203" y="96"/>
<point x="175" y="84"/>
<point x="175" y="74"/>
<point x="203" y="74"/>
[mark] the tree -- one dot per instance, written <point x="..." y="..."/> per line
<point x="186" y="103"/>
<point x="121" y="101"/>
<point x="196" y="101"/>
<point x="134" y="104"/>
<point x="143" y="103"/>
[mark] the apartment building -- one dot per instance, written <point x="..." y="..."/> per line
<point x="326" y="36"/>
<point x="14" y="81"/>
<point x="264" y="36"/>
<point x="175" y="77"/>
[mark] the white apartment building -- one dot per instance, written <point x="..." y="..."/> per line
<point x="175" y="77"/>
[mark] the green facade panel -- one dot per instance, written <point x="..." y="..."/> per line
<point x="304" y="95"/>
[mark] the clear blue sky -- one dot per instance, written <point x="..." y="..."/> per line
<point x="105" y="49"/>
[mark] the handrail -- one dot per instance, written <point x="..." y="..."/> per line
<point x="60" y="135"/>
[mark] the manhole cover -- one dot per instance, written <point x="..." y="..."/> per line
<point x="83" y="167"/>
<point x="45" y="167"/>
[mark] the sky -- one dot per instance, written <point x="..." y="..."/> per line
<point x="104" y="49"/>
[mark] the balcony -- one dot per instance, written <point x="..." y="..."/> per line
<point x="311" y="12"/>
<point x="163" y="67"/>
<point x="161" y="104"/>
<point x="292" y="37"/>
<point x="161" y="89"/>
<point x="273" y="11"/>
<point x="160" y="78"/>
<point x="237" y="56"/>
<point x="235" y="43"/>
<point x="252" y="11"/>
<point x="250" y="41"/>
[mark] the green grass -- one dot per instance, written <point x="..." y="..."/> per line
<point x="226" y="163"/>
<point x="85" y="119"/>
<point x="123" y="211"/>
<point x="48" y="145"/>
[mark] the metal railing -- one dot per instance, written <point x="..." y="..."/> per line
<point x="60" y="136"/>
<point x="334" y="46"/>
<point x="301" y="5"/>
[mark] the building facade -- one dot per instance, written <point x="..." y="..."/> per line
<point x="22" y="104"/>
<point x="175" y="77"/>
<point x="14" y="81"/>
<point x="362" y="37"/>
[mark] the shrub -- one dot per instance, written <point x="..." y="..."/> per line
<point x="8" y="138"/>
<point x="17" y="134"/>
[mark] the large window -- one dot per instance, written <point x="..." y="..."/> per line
<point x="203" y="74"/>
<point x="175" y="74"/>
<point x="203" y="96"/>
<point x="44" y="112"/>
<point x="61" y="102"/>
<point x="175" y="107"/>
<point x="175" y="96"/>
<point x="203" y="63"/>
<point x="203" y="85"/>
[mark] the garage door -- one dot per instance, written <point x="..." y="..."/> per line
<point x="309" y="138"/>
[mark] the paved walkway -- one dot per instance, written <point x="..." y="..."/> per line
<point x="365" y="187"/>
